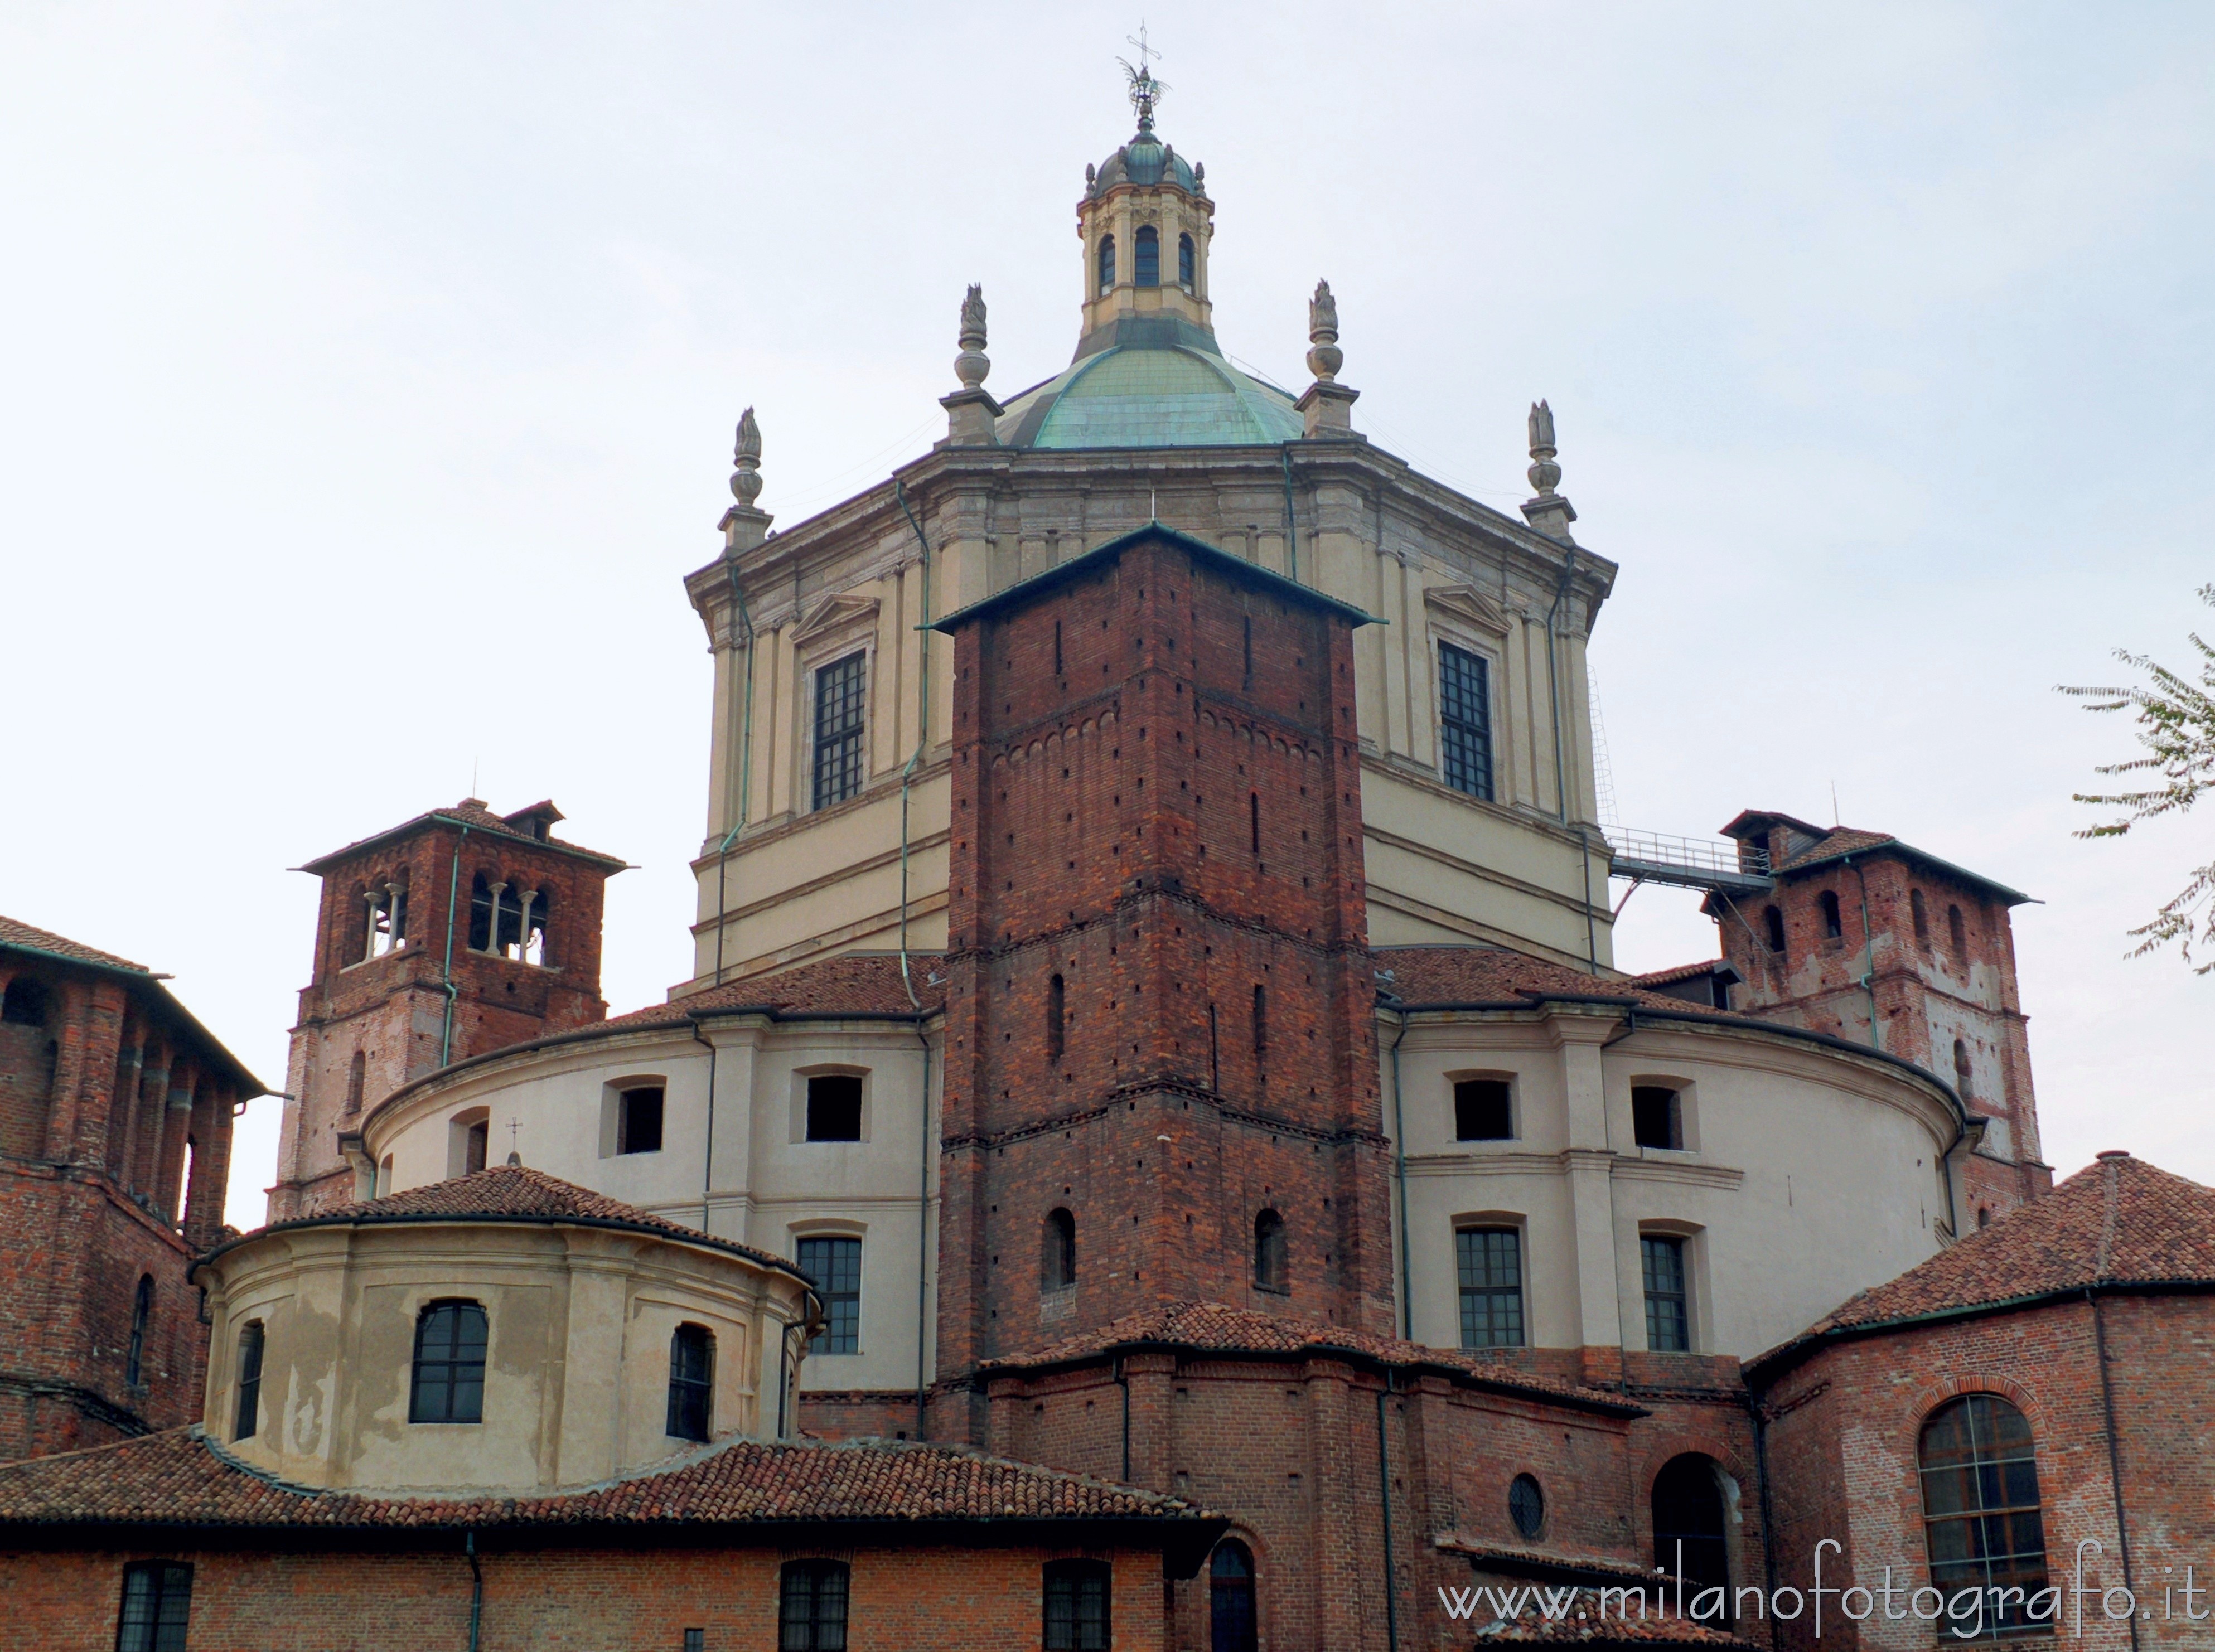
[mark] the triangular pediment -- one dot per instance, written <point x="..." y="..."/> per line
<point x="1468" y="603"/>
<point x="834" y="613"/>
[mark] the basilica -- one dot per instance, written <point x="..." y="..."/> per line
<point x="1155" y="1151"/>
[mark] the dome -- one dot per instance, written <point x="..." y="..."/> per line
<point x="1146" y="160"/>
<point x="1168" y="394"/>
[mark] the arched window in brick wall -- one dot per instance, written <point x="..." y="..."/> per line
<point x="1834" y="926"/>
<point x="1775" y="920"/>
<point x="1272" y="1269"/>
<point x="1231" y="1625"/>
<point x="1957" y="934"/>
<point x="1689" y="1529"/>
<point x="1057" y="1252"/>
<point x="24" y="1004"/>
<point x="1077" y="1608"/>
<point x="1057" y="1006"/>
<point x="1982" y="1524"/>
<point x="1921" y="913"/>
<point x="142" y="1313"/>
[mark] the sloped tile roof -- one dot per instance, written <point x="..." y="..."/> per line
<point x="1217" y="1328"/>
<point x="1681" y="972"/>
<point x="2118" y="1222"/>
<point x="472" y="813"/>
<point x="1574" y="1618"/>
<point x="15" y="933"/>
<point x="854" y="984"/>
<point x="509" y="1193"/>
<point x="180" y="1478"/>
<point x="1493" y="974"/>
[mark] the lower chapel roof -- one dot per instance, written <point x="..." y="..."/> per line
<point x="183" y="1478"/>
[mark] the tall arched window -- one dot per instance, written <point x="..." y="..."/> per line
<point x="1958" y="932"/>
<point x="1981" y="1519"/>
<point x="1057" y="1252"/>
<point x="1057" y="1004"/>
<point x="1961" y="1069"/>
<point x="357" y="1076"/>
<point x="692" y="1381"/>
<point x="1688" y="1529"/>
<point x="142" y="1312"/>
<point x="1230" y="1598"/>
<point x="1775" y="920"/>
<point x="1921" y="914"/>
<point x="1107" y="265"/>
<point x="1146" y="259"/>
<point x="1834" y="926"/>
<point x="811" y="1611"/>
<point x="1270" y="1269"/>
<point x="448" y="1382"/>
<point x="1186" y="261"/>
<point x="249" y="1420"/>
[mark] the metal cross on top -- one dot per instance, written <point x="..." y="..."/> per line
<point x="1145" y="90"/>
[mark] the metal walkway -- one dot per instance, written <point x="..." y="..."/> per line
<point x="1709" y="863"/>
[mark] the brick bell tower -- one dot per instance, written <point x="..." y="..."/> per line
<point x="457" y="932"/>
<point x="1161" y="1067"/>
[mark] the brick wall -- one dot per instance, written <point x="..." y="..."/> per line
<point x="981" y="1599"/>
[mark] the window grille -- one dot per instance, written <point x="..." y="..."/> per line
<point x="1668" y="1322"/>
<point x="158" y="1606"/>
<point x="1526" y="1505"/>
<point x="692" y="1381"/>
<point x="811" y="1614"/>
<point x="1981" y="1516"/>
<point x="1464" y="721"/>
<point x="450" y="1364"/>
<point x="835" y="1267"/>
<point x="1490" y="1264"/>
<point x="1076" y="1605"/>
<point x="839" y="703"/>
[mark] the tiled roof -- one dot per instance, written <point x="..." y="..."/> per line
<point x="1575" y="1620"/>
<point x="14" y="934"/>
<point x="856" y="984"/>
<point x="1682" y="972"/>
<point x="1493" y="974"/>
<point x="1832" y="842"/>
<point x="509" y="1193"/>
<point x="181" y="1478"/>
<point x="472" y="813"/>
<point x="1217" y="1327"/>
<point x="1522" y="1560"/>
<point x="2120" y="1222"/>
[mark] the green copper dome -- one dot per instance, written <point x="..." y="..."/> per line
<point x="1150" y="395"/>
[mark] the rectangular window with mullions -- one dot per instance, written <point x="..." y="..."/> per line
<point x="1490" y="1264"/>
<point x="835" y="1266"/>
<point x="1668" y="1316"/>
<point x="157" y="1606"/>
<point x="840" y="702"/>
<point x="1078" y="1616"/>
<point x="1464" y="721"/>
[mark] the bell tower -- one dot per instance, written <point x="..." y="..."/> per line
<point x="1144" y="222"/>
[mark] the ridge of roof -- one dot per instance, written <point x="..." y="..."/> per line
<point x="473" y="813"/>
<point x="182" y="1478"/>
<point x="2118" y="1224"/>
<point x="18" y="936"/>
<point x="1218" y="1328"/>
<point x="506" y="1193"/>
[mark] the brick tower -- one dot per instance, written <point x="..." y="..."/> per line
<point x="458" y="933"/>
<point x="1862" y="928"/>
<point x="1161" y="1076"/>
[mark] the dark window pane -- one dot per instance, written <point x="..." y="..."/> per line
<point x="1526" y="1505"/>
<point x="1146" y="266"/>
<point x="812" y="1607"/>
<point x="1982" y="1528"/>
<point x="691" y="1382"/>
<point x="1668" y="1324"/>
<point x="1076" y="1606"/>
<point x="834" y="1107"/>
<point x="638" y="1122"/>
<point x="249" y="1382"/>
<point x="839" y="703"/>
<point x="1655" y="1116"/>
<point x="1489" y="1261"/>
<point x="157" y="1601"/>
<point x="1185" y="262"/>
<point x="1483" y="1110"/>
<point x="448" y="1383"/>
<point x="1464" y="721"/>
<point x="835" y="1266"/>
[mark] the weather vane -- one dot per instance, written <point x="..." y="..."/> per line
<point x="1145" y="90"/>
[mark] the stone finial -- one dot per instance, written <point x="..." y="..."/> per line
<point x="1200" y="176"/>
<point x="1091" y="177"/>
<point x="1549" y="513"/>
<point x="742" y="524"/>
<point x="971" y="411"/>
<point x="972" y="366"/>
<point x="1328" y="407"/>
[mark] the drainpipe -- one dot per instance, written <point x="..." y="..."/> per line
<point x="1400" y="1172"/>
<point x="907" y="981"/>
<point x="446" y="975"/>
<point x="746" y="763"/>
<point x="1292" y="523"/>
<point x="1560" y="763"/>
<point x="476" y="1588"/>
<point x="1384" y="1491"/>
<point x="2115" y="1445"/>
<point x="708" y="1158"/>
<point x="1869" y="957"/>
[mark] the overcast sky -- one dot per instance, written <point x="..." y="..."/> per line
<point x="367" y="374"/>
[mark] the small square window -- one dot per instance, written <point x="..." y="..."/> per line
<point x="834" y="1107"/>
<point x="1656" y="1117"/>
<point x="1484" y="1110"/>
<point x="638" y="1120"/>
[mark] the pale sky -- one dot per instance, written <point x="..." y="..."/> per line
<point x="367" y="377"/>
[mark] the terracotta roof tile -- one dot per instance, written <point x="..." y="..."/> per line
<point x="1524" y="1560"/>
<point x="1217" y="1327"/>
<point x="14" y="934"/>
<point x="1681" y="972"/>
<point x="1574" y="1618"/>
<point x="511" y="1193"/>
<point x="472" y="813"/>
<point x="854" y="984"/>
<point x="2120" y="1221"/>
<point x="181" y="1478"/>
<point x="1493" y="974"/>
<point x="1839" y="840"/>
